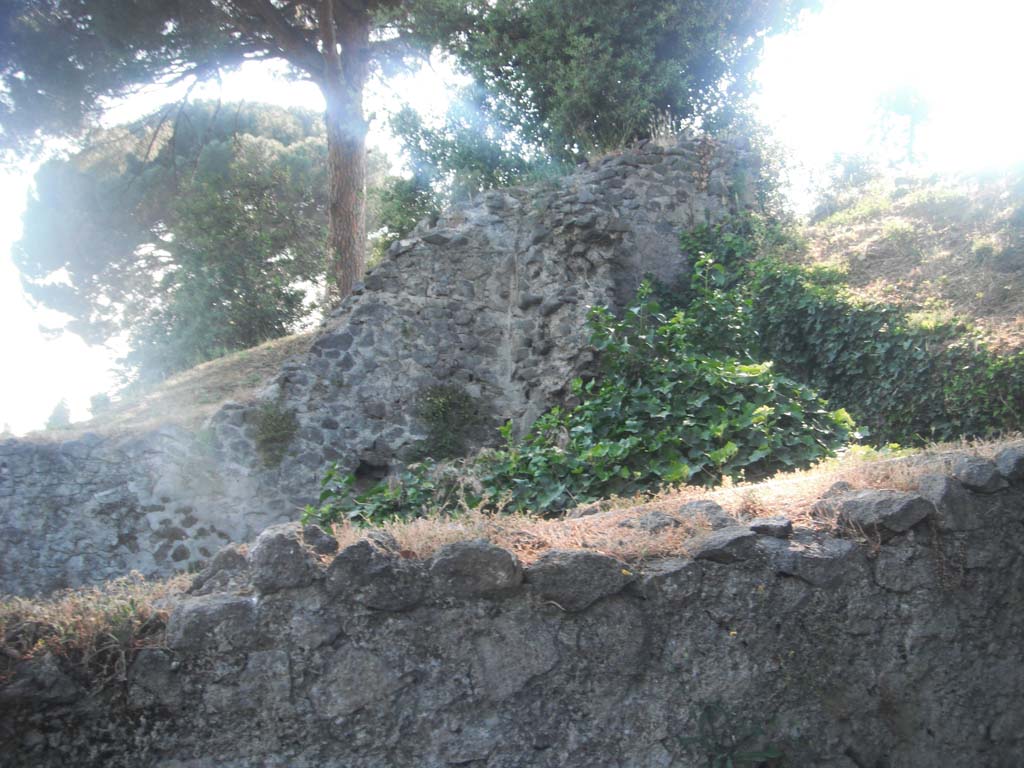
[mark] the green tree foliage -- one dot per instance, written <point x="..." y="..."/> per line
<point x="395" y="207"/>
<point x="556" y="79"/>
<point x="195" y="240"/>
<point x="98" y="227"/>
<point x="849" y="179"/>
<point x="903" y="110"/>
<point x="472" y="150"/>
<point x="99" y="404"/>
<point x="594" y="74"/>
<point x="60" y="60"/>
<point x="247" y="234"/>
<point x="60" y="417"/>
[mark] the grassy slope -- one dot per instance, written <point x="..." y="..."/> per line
<point x="939" y="247"/>
<point x="189" y="398"/>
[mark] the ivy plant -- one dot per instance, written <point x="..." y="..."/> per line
<point x="661" y="413"/>
<point x="902" y="381"/>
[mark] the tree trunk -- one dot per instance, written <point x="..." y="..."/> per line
<point x="342" y="86"/>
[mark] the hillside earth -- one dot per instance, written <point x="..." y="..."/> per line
<point x="938" y="246"/>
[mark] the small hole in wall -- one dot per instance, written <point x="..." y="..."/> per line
<point x="368" y="474"/>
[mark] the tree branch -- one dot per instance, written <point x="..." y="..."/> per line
<point x="394" y="50"/>
<point x="289" y="40"/>
<point x="329" y="41"/>
<point x="209" y="128"/>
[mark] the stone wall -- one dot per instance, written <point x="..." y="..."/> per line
<point x="87" y="510"/>
<point x="485" y="307"/>
<point x="491" y="299"/>
<point x="898" y="643"/>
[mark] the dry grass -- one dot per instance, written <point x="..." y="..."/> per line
<point x="98" y="629"/>
<point x="530" y="537"/>
<point x="792" y="495"/>
<point x="189" y="398"/>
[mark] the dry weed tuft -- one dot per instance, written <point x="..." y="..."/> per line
<point x="98" y="630"/>
<point x="608" y="530"/>
<point x="529" y="537"/>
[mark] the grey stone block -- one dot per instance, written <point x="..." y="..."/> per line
<point x="575" y="579"/>
<point x="473" y="568"/>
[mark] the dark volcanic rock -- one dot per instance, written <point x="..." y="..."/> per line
<point x="212" y="622"/>
<point x="377" y="576"/>
<point x="918" y="631"/>
<point x="956" y="509"/>
<point x="777" y="526"/>
<point x="725" y="545"/>
<point x="706" y="511"/>
<point x="468" y="568"/>
<point x="281" y="560"/>
<point x="979" y="475"/>
<point x="574" y="579"/>
<point x="317" y="539"/>
<point x="1010" y="462"/>
<point x="881" y="513"/>
<point x="228" y="569"/>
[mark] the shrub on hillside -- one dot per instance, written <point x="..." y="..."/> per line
<point x="60" y="416"/>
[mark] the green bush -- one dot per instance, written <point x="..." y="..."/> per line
<point x="60" y="417"/>
<point x="902" y="382"/>
<point x="663" y="413"/>
<point x="100" y="404"/>
<point x="421" y="489"/>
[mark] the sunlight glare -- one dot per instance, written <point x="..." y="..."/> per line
<point x="821" y="83"/>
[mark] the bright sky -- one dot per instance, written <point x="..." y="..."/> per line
<point x="820" y="86"/>
<point x="821" y="83"/>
